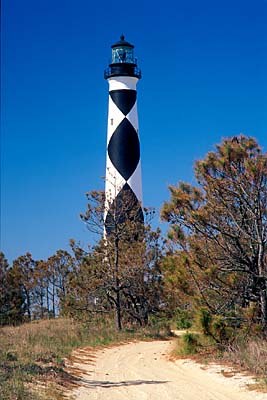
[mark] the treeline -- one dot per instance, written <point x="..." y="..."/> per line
<point x="84" y="283"/>
<point x="33" y="289"/>
<point x="212" y="264"/>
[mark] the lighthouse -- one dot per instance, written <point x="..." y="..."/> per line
<point x="123" y="186"/>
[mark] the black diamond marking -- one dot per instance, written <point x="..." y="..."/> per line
<point x="125" y="207"/>
<point x="124" y="99"/>
<point x="124" y="149"/>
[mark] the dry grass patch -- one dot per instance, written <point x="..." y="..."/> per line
<point x="33" y="355"/>
<point x="251" y="355"/>
<point x="34" y="352"/>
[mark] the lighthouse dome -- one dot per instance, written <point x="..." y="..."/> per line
<point x="122" y="42"/>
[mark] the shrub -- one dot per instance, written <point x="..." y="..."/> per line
<point x="249" y="354"/>
<point x="221" y="330"/>
<point x="183" y="319"/>
<point x="205" y="319"/>
<point x="159" y="326"/>
<point x="190" y="343"/>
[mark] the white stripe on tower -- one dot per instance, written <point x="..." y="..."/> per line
<point x="123" y="168"/>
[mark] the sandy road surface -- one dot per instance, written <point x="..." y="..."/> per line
<point x="142" y="371"/>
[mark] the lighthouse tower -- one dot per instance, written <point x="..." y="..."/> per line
<point x="123" y="190"/>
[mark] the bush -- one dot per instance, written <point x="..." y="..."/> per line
<point x="221" y="330"/>
<point x="216" y="327"/>
<point x="183" y="319"/>
<point x="249" y="354"/>
<point x="159" y="326"/>
<point x="205" y="319"/>
<point x="187" y="344"/>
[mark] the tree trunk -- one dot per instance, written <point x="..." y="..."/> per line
<point x="117" y="281"/>
<point x="42" y="302"/>
<point x="263" y="285"/>
<point x="47" y="299"/>
<point x="118" y="311"/>
<point x="53" y="298"/>
<point x="263" y="300"/>
<point x="28" y="305"/>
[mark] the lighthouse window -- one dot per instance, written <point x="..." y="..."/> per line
<point x="122" y="55"/>
<point x="111" y="121"/>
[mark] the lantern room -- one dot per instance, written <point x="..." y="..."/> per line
<point x="122" y="52"/>
<point x="123" y="62"/>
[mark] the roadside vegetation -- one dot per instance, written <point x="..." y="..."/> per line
<point x="215" y="270"/>
<point x="208" y="274"/>
<point x="32" y="355"/>
<point x="243" y="353"/>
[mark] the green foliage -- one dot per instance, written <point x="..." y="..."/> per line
<point x="12" y="386"/>
<point x="222" y="331"/>
<point x="215" y="326"/>
<point x="190" y="343"/>
<point x="159" y="326"/>
<point x="219" y="229"/>
<point x="12" y="298"/>
<point x="205" y="319"/>
<point x="9" y="356"/>
<point x="183" y="319"/>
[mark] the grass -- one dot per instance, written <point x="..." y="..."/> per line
<point x="244" y="354"/>
<point x="249" y="354"/>
<point x="192" y="343"/>
<point x="31" y="355"/>
<point x="34" y="351"/>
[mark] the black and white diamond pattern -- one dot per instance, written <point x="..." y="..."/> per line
<point x="124" y="99"/>
<point x="123" y="175"/>
<point x="124" y="149"/>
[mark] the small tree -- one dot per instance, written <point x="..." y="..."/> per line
<point x="58" y="268"/>
<point x="5" y="301"/>
<point x="121" y="266"/>
<point x="12" y="298"/>
<point x="23" y="268"/>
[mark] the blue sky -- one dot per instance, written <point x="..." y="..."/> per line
<point x="204" y="78"/>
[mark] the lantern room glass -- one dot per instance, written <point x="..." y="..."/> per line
<point x="122" y="54"/>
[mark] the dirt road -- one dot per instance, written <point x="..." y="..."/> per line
<point x="142" y="371"/>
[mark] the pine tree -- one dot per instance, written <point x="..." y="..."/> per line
<point x="220" y="227"/>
